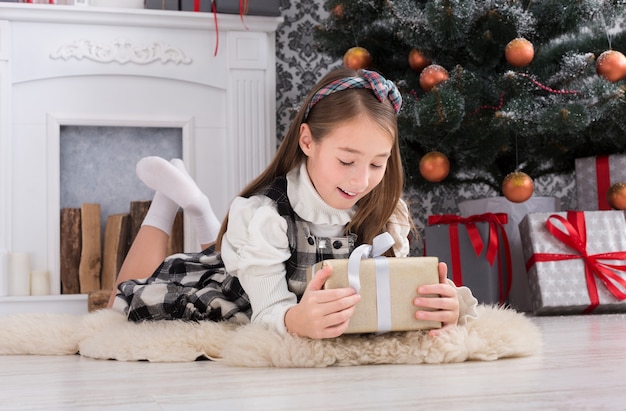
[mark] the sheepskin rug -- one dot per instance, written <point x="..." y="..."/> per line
<point x="106" y="334"/>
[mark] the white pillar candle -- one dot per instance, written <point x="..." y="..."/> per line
<point x="4" y="273"/>
<point x="39" y="282"/>
<point x="19" y="274"/>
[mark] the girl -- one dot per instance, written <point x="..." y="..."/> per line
<point x="335" y="183"/>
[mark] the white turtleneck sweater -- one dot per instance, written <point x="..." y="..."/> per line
<point x="255" y="246"/>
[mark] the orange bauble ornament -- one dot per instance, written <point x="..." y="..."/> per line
<point x="432" y="76"/>
<point x="434" y="166"/>
<point x="338" y="11"/>
<point x="517" y="187"/>
<point x="519" y="52"/>
<point x="611" y="65"/>
<point x="417" y="61"/>
<point x="616" y="196"/>
<point x="357" y="58"/>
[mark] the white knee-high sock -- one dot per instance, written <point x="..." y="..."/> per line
<point x="161" y="213"/>
<point x="172" y="180"/>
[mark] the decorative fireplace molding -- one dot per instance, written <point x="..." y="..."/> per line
<point x="120" y="51"/>
<point x="64" y="65"/>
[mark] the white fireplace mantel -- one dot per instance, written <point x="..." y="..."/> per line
<point x="71" y="65"/>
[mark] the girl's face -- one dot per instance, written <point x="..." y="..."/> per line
<point x="349" y="162"/>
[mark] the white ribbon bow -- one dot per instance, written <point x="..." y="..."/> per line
<point x="380" y="244"/>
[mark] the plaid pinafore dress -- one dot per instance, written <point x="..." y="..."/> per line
<point x="196" y="286"/>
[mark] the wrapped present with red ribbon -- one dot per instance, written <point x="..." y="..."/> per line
<point x="576" y="261"/>
<point x="249" y="7"/>
<point x="241" y="7"/>
<point x="476" y="250"/>
<point x="594" y="177"/>
<point x="205" y="6"/>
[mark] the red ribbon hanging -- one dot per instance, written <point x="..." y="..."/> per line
<point x="603" y="181"/>
<point x="575" y="237"/>
<point x="217" y="31"/>
<point x="243" y="9"/>
<point x="496" y="222"/>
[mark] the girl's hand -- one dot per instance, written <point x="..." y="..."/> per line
<point x="322" y="313"/>
<point x="447" y="303"/>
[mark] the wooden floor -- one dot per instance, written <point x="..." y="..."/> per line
<point x="582" y="367"/>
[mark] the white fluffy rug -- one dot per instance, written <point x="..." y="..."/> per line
<point x="106" y="334"/>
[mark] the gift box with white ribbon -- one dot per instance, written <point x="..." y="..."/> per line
<point x="387" y="287"/>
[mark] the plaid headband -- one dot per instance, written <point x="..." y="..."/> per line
<point x="381" y="87"/>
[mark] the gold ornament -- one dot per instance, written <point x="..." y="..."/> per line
<point x="611" y="65"/>
<point x="357" y="58"/>
<point x="434" y="166"/>
<point x="517" y="187"/>
<point x="616" y="196"/>
<point x="417" y="61"/>
<point x="432" y="76"/>
<point x="519" y="52"/>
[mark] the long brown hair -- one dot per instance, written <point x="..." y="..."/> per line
<point x="373" y="210"/>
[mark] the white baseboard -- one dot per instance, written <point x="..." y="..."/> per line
<point x="61" y="304"/>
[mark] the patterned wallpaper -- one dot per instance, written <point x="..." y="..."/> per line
<point x="300" y="65"/>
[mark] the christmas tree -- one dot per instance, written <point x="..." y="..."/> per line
<point x="495" y="86"/>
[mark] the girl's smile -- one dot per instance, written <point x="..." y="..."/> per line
<point x="347" y="194"/>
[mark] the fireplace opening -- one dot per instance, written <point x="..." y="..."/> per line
<point x="102" y="200"/>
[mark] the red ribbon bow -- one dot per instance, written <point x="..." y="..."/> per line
<point x="574" y="236"/>
<point x="496" y="222"/>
